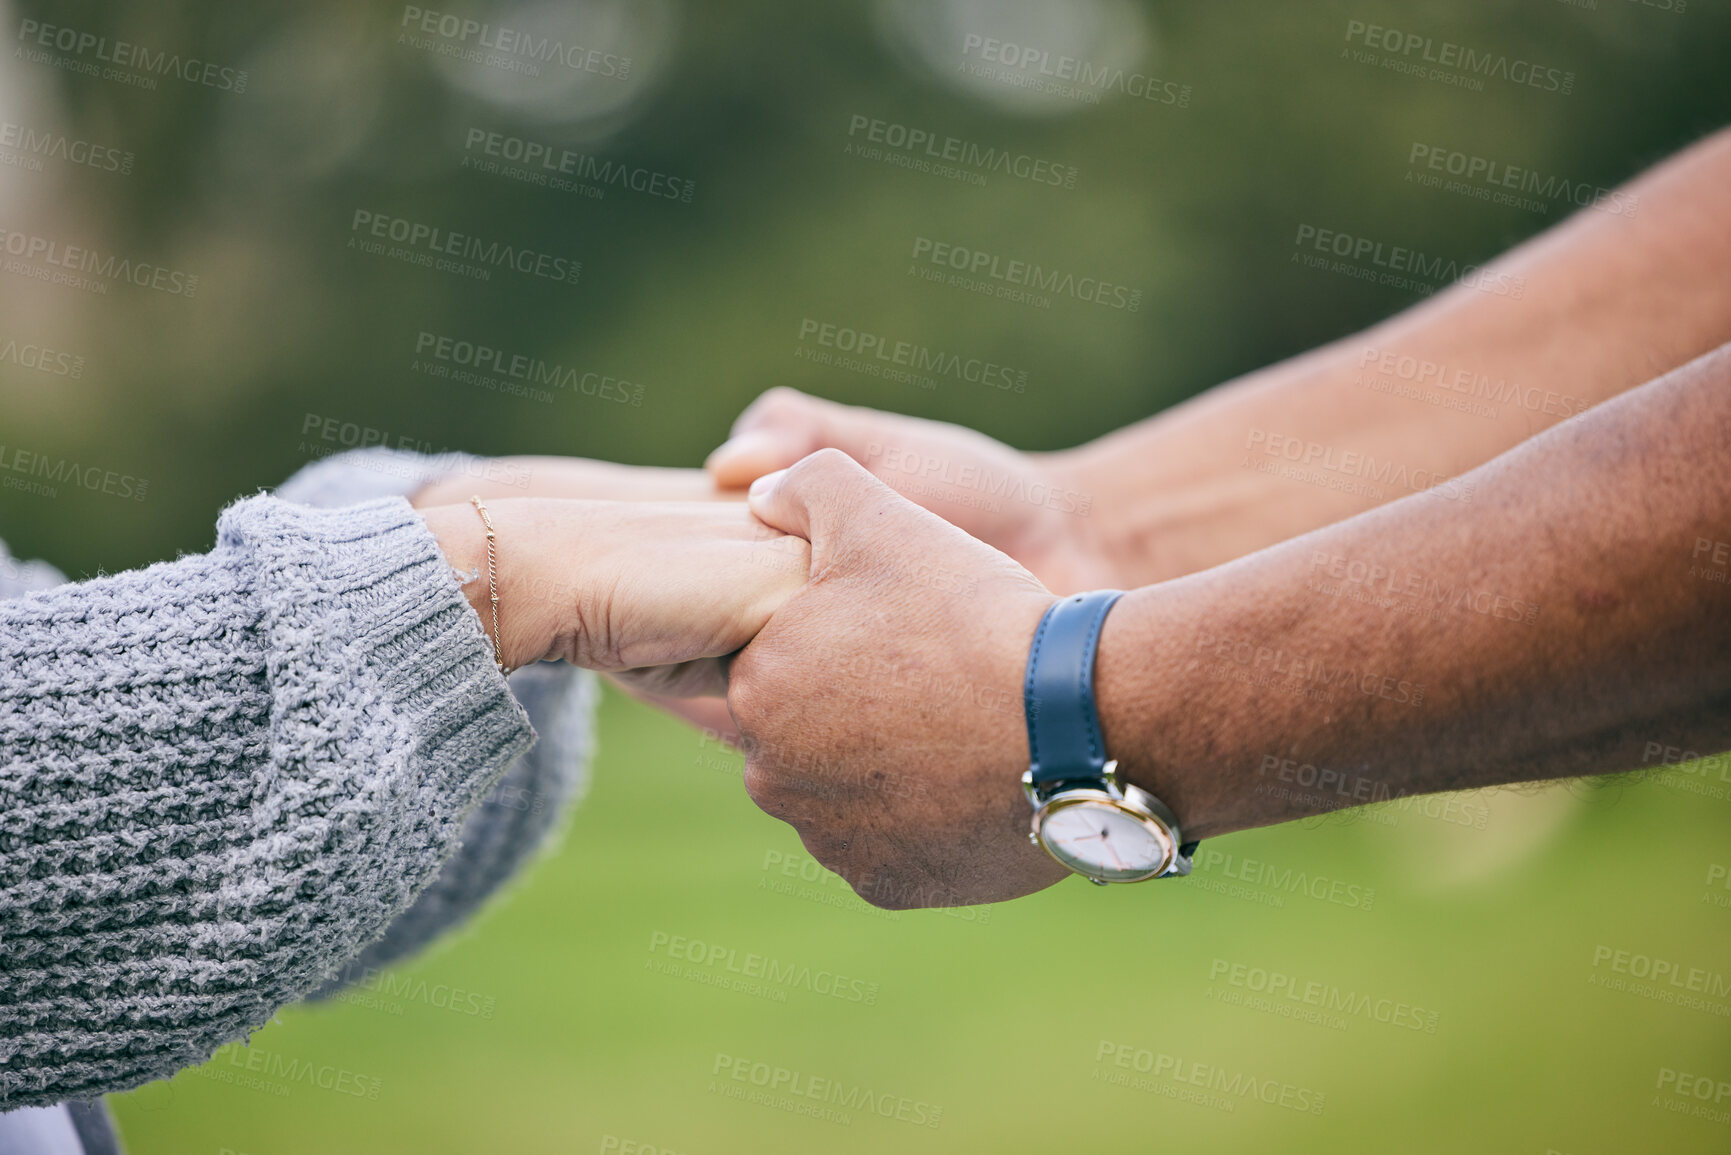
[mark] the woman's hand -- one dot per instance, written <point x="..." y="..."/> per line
<point x="658" y="593"/>
<point x="1032" y="506"/>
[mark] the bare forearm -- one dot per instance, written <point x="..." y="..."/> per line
<point x="1552" y="625"/>
<point x="1605" y="303"/>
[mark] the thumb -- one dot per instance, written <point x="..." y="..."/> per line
<point x="781" y="427"/>
<point x="746" y="456"/>
<point x="825" y="499"/>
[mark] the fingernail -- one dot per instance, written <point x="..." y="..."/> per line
<point x="763" y="485"/>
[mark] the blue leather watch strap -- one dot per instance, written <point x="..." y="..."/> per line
<point x="1064" y="741"/>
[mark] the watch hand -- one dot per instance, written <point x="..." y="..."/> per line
<point x="1113" y="850"/>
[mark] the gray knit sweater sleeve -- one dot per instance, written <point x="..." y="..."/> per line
<point x="220" y="777"/>
<point x="519" y="817"/>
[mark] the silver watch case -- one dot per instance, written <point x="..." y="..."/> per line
<point x="1128" y="799"/>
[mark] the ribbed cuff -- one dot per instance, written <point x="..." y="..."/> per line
<point x="519" y="820"/>
<point x="375" y="572"/>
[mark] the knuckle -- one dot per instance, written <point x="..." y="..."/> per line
<point x="759" y="783"/>
<point x="826" y="847"/>
<point x="883" y="890"/>
<point x="828" y="464"/>
<point x="742" y="699"/>
<point x="830" y="457"/>
<point x="783" y="395"/>
<point x="765" y="777"/>
<point x="768" y="788"/>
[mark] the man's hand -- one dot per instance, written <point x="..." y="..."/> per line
<point x="881" y="707"/>
<point x="1031" y="506"/>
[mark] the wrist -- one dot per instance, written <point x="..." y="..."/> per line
<point x="1113" y="517"/>
<point x="1146" y="713"/>
<point x="454" y="487"/>
<point x="522" y="636"/>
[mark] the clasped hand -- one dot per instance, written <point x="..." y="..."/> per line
<point x="871" y="652"/>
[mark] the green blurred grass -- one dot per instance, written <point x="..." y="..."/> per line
<point x="999" y="1021"/>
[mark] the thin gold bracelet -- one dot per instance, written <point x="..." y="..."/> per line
<point x="492" y="577"/>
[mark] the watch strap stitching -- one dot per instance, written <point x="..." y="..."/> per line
<point x="1029" y="706"/>
<point x="1090" y="647"/>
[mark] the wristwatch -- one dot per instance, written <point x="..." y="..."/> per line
<point x="1087" y="820"/>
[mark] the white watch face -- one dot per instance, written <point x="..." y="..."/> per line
<point x="1102" y="841"/>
